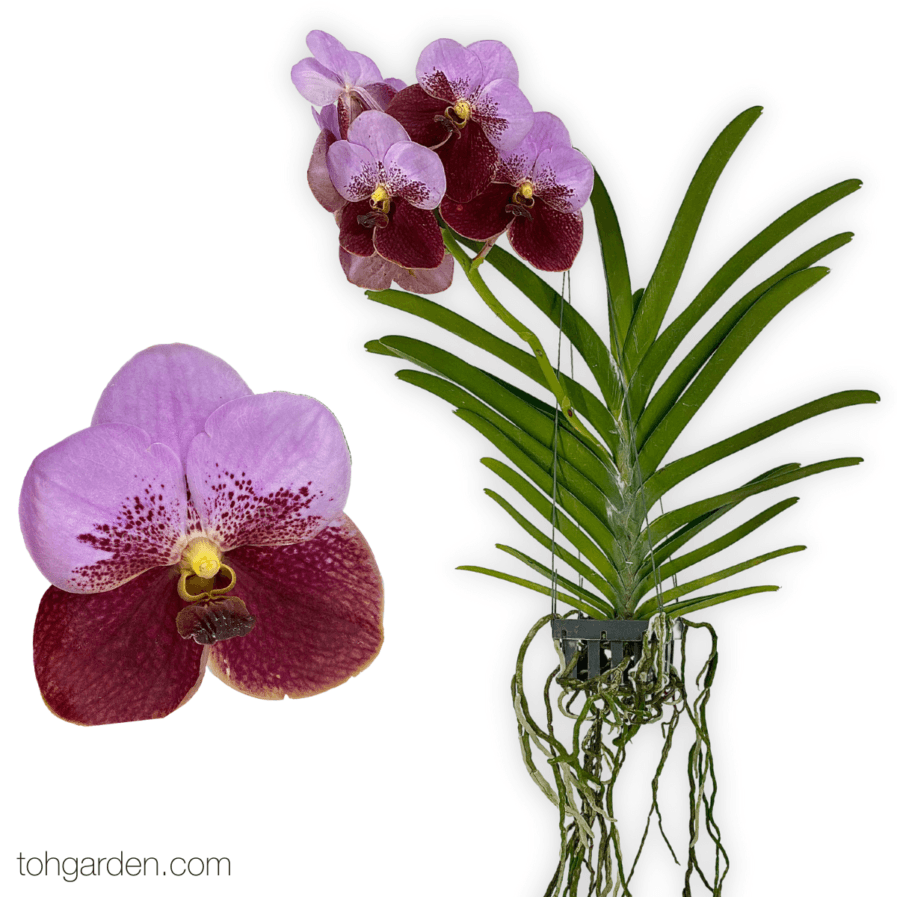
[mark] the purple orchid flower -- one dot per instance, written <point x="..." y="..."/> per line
<point x="376" y="273"/>
<point x="196" y="523"/>
<point x="342" y="77"/>
<point x="537" y="195"/>
<point x="468" y="107"/>
<point x="391" y="186"/>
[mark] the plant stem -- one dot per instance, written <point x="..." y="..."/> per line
<point x="470" y="267"/>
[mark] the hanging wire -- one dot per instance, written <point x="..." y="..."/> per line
<point x="565" y="282"/>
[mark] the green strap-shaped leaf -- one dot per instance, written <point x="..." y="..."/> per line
<point x="683" y="373"/>
<point x="672" y="595"/>
<point x="693" y="604"/>
<point x="568" y="475"/>
<point x="621" y="302"/>
<point x="665" y="279"/>
<point x="667" y="477"/>
<point x="573" y="533"/>
<point x="674" y="542"/>
<point x="522" y="411"/>
<point x="567" y="499"/>
<point x="671" y="568"/>
<point x="535" y="587"/>
<point x="584" y="401"/>
<point x="545" y="541"/>
<point x="662" y="349"/>
<point x="738" y="339"/>
<point x="576" y="328"/>
<point x="583" y="594"/>
<point x="672" y="520"/>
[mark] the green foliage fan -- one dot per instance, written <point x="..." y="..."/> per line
<point x="596" y="483"/>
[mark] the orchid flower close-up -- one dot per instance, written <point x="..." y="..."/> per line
<point x="195" y="523"/>
<point x="391" y="186"/>
<point x="536" y="196"/>
<point x="468" y="107"/>
<point x="348" y="80"/>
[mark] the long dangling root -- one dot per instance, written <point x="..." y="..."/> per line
<point x="607" y="712"/>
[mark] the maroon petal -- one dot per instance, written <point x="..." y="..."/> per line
<point x="484" y="216"/>
<point x="116" y="656"/>
<point x="354" y="237"/>
<point x="412" y="238"/>
<point x="548" y="240"/>
<point x="416" y="111"/>
<point x="319" y="177"/>
<point x="318" y="609"/>
<point x="470" y="162"/>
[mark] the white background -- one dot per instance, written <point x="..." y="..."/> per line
<point x="153" y="190"/>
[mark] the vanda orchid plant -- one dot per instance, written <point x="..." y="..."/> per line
<point x="423" y="176"/>
<point x="196" y="524"/>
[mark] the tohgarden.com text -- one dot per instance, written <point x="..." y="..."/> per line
<point x="72" y="868"/>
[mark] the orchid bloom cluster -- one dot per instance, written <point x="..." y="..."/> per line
<point x="463" y="141"/>
<point x="196" y="524"/>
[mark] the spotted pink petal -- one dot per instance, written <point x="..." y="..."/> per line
<point x="116" y="657"/>
<point x="169" y="391"/>
<point x="414" y="173"/>
<point x="103" y="506"/>
<point x="449" y="71"/>
<point x="504" y="114"/>
<point x="318" y="609"/>
<point x="353" y="170"/>
<point x="270" y="469"/>
<point x="563" y="177"/>
<point x="547" y="131"/>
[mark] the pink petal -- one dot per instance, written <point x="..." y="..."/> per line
<point x="547" y="131"/>
<point x="368" y="73"/>
<point x="316" y="82"/>
<point x="169" y="391"/>
<point x="334" y="56"/>
<point x="318" y="608"/>
<point x="319" y="177"/>
<point x="425" y="281"/>
<point x="550" y="240"/>
<point x="270" y="469"/>
<point x="103" y="506"/>
<point x="116" y="656"/>
<point x="371" y="273"/>
<point x="496" y="59"/>
<point x="376" y="132"/>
